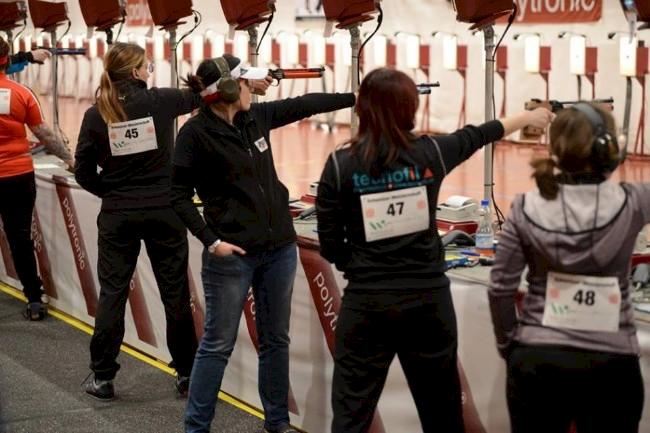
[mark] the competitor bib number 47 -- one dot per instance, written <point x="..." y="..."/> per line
<point x="132" y="136"/>
<point x="582" y="302"/>
<point x="395" y="213"/>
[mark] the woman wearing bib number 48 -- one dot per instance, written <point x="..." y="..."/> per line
<point x="377" y="223"/>
<point x="572" y="352"/>
<point x="128" y="134"/>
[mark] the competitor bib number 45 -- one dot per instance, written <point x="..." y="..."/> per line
<point x="132" y="136"/>
<point x="582" y="302"/>
<point x="395" y="213"/>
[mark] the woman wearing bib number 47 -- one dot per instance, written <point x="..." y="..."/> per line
<point x="377" y="222"/>
<point x="572" y="353"/>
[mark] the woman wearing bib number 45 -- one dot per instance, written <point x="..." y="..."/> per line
<point x="128" y="133"/>
<point x="376" y="221"/>
<point x="572" y="352"/>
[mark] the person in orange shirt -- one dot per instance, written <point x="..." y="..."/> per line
<point x="19" y="107"/>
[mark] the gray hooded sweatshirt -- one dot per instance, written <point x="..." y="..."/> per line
<point x="589" y="229"/>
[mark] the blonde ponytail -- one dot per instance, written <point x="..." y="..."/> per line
<point x="545" y="177"/>
<point x="108" y="103"/>
<point x="119" y="62"/>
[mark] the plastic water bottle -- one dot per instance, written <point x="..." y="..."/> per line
<point x="485" y="233"/>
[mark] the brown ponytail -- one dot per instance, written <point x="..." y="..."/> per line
<point x="119" y="63"/>
<point x="194" y="83"/>
<point x="571" y="147"/>
<point x="108" y="102"/>
<point x="545" y="177"/>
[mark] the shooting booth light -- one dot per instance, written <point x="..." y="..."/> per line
<point x="408" y="50"/>
<point x="578" y="54"/>
<point x="240" y="46"/>
<point x="315" y="47"/>
<point x="531" y="53"/>
<point x="343" y="51"/>
<point x="627" y="56"/>
<point x="289" y="48"/>
<point x="196" y="53"/>
<point x="138" y="39"/>
<point x="378" y="57"/>
<point x="217" y="43"/>
<point x="265" y="51"/>
<point x="159" y="47"/>
<point x="450" y="52"/>
<point x="92" y="47"/>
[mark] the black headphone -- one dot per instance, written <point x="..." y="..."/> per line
<point x="227" y="86"/>
<point x="603" y="141"/>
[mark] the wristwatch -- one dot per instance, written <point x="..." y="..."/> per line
<point x="212" y="248"/>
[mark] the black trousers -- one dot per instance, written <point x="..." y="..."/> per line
<point x="550" y="387"/>
<point x="18" y="195"/>
<point x="165" y="238"/>
<point x="418" y="327"/>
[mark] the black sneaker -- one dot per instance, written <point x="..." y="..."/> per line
<point x="100" y="389"/>
<point x="34" y="311"/>
<point x="283" y="428"/>
<point x="182" y="385"/>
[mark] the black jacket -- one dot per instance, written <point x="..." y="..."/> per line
<point x="231" y="168"/>
<point x="139" y="180"/>
<point x="415" y="260"/>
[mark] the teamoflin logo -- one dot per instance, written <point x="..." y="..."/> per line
<point x="392" y="179"/>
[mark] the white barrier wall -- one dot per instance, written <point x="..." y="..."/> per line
<point x="65" y="238"/>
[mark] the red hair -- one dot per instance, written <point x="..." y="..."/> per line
<point x="386" y="105"/>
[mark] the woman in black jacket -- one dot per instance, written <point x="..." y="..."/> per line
<point x="377" y="222"/>
<point x="128" y="134"/>
<point x="224" y="154"/>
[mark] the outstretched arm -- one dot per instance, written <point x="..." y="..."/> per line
<point x="53" y="142"/>
<point x="279" y="113"/>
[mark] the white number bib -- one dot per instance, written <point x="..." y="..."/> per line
<point x="5" y="101"/>
<point x="395" y="213"/>
<point x="582" y="302"/>
<point x="132" y="136"/>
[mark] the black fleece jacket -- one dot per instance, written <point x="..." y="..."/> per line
<point x="231" y="168"/>
<point x="415" y="260"/>
<point x="140" y="180"/>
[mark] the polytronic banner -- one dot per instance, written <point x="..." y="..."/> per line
<point x="558" y="11"/>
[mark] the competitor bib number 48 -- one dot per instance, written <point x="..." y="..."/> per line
<point x="395" y="213"/>
<point x="132" y="136"/>
<point x="582" y="302"/>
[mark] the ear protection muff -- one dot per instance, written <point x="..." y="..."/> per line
<point x="227" y="86"/>
<point x="603" y="141"/>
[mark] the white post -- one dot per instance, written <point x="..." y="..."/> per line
<point x="355" y="42"/>
<point x="55" y="81"/>
<point x="488" y="33"/>
<point x="252" y="52"/>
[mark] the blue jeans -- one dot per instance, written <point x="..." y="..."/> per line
<point x="226" y="281"/>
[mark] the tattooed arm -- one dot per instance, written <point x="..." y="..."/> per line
<point x="53" y="142"/>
